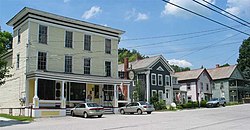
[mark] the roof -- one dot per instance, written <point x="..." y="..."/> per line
<point x="222" y="72"/>
<point x="189" y="75"/>
<point x="29" y="11"/>
<point x="144" y="63"/>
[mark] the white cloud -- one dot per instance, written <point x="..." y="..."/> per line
<point x="91" y="12"/>
<point x="180" y="63"/>
<point x="238" y="7"/>
<point x="135" y="15"/>
<point x="65" y="1"/>
<point x="189" y="4"/>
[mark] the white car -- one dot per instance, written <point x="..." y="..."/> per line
<point x="137" y="107"/>
<point x="216" y="102"/>
<point x="87" y="110"/>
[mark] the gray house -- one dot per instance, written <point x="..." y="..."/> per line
<point x="229" y="82"/>
<point x="154" y="74"/>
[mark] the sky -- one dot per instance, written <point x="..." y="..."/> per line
<point x="155" y="28"/>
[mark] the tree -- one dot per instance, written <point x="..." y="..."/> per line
<point x="225" y="65"/>
<point x="131" y="54"/>
<point x="244" y="58"/>
<point x="137" y="94"/>
<point x="5" y="44"/>
<point x="180" y="69"/>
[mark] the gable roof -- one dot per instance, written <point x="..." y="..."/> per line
<point x="145" y="63"/>
<point x="222" y="72"/>
<point x="189" y="75"/>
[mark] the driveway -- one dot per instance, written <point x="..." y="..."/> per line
<point x="228" y="118"/>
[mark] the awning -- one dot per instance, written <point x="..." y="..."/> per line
<point x="79" y="78"/>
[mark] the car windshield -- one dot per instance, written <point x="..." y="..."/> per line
<point x="144" y="103"/>
<point x="93" y="105"/>
<point x="214" y="99"/>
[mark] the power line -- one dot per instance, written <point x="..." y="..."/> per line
<point x="230" y="57"/>
<point x="220" y="13"/>
<point x="190" y="11"/>
<point x="226" y="12"/>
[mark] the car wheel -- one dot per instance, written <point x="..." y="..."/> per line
<point x="218" y="104"/>
<point x="139" y="111"/>
<point x="99" y="116"/>
<point x="72" y="113"/>
<point x="122" y="111"/>
<point x="85" y="115"/>
<point x="149" y="112"/>
<point x="223" y="104"/>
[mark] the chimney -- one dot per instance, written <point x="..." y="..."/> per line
<point x="126" y="68"/>
<point x="217" y="65"/>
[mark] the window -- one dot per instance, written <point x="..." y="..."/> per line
<point x="77" y="91"/>
<point x="160" y="94"/>
<point x="213" y="85"/>
<point x="174" y="80"/>
<point x="17" y="61"/>
<point x="87" y="42"/>
<point x="42" y="59"/>
<point x="82" y="106"/>
<point x="167" y="80"/>
<point x="43" y="34"/>
<point x="153" y="79"/>
<point x="68" y="39"/>
<point x="167" y="94"/>
<point x="189" y="98"/>
<point x="201" y="86"/>
<point x="221" y="85"/>
<point x="68" y="64"/>
<point x="18" y="36"/>
<point x="154" y="93"/>
<point x="121" y="75"/>
<point x="160" y="80"/>
<point x="86" y="65"/>
<point x="188" y="86"/>
<point x="108" y="46"/>
<point x="46" y="89"/>
<point x="108" y="68"/>
<point x="96" y="91"/>
<point x="207" y="86"/>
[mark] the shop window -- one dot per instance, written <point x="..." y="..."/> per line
<point x="96" y="91"/>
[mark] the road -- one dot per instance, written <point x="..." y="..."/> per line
<point x="222" y="118"/>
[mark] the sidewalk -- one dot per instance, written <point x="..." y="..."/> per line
<point x="9" y="122"/>
<point x="4" y="119"/>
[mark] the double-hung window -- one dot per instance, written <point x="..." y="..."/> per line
<point x="153" y="79"/>
<point x="17" y="61"/>
<point x="188" y="86"/>
<point x="87" y="42"/>
<point x="68" y="64"/>
<point x="43" y="34"/>
<point x="160" y="80"/>
<point x="86" y="65"/>
<point x="207" y="86"/>
<point x="167" y="80"/>
<point x="18" y="36"/>
<point x="68" y="39"/>
<point x="108" y="46"/>
<point x="42" y="61"/>
<point x="108" y="68"/>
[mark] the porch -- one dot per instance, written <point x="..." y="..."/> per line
<point x="52" y="93"/>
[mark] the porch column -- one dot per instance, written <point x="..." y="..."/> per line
<point x="115" y="96"/>
<point x="128" y="89"/>
<point x="35" y="98"/>
<point x="63" y="100"/>
<point x="148" y="86"/>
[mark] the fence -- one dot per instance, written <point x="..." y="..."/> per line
<point x="17" y="111"/>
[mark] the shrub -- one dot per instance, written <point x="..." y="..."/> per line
<point x="160" y="105"/>
<point x="203" y="103"/>
<point x="190" y="105"/>
<point x="179" y="107"/>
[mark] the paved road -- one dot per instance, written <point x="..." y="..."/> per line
<point x="228" y="118"/>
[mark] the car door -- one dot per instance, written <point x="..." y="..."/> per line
<point x="81" y="109"/>
<point x="134" y="107"/>
<point x="77" y="109"/>
<point x="128" y="107"/>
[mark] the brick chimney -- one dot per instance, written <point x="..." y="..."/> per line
<point x="126" y="68"/>
<point x="217" y="65"/>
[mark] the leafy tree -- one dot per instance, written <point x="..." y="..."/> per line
<point x="131" y="54"/>
<point x="180" y="69"/>
<point x="225" y="65"/>
<point x="137" y="94"/>
<point x="244" y="58"/>
<point x="5" y="44"/>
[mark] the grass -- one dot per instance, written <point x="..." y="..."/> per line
<point x="18" y="118"/>
<point x="232" y="103"/>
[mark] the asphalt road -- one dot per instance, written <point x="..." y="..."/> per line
<point x="222" y="118"/>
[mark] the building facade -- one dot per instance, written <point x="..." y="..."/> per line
<point x="59" y="62"/>
<point x="197" y="83"/>
<point x="154" y="75"/>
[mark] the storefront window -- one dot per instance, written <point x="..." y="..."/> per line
<point x="46" y="89"/>
<point x="77" y="92"/>
<point x="108" y="91"/>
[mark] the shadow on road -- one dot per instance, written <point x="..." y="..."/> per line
<point x="11" y="122"/>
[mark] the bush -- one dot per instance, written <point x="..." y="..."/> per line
<point x="160" y="105"/>
<point x="179" y="107"/>
<point x="203" y="103"/>
<point x="190" y="105"/>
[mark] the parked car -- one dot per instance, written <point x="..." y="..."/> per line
<point x="87" y="110"/>
<point x="216" y="102"/>
<point x="137" y="107"/>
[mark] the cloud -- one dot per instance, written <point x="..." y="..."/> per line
<point x="135" y="15"/>
<point x="189" y="4"/>
<point x="66" y="1"/>
<point x="93" y="11"/>
<point x="238" y="7"/>
<point x="180" y="63"/>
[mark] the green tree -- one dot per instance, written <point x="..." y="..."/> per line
<point x="225" y="65"/>
<point x="244" y="58"/>
<point x="131" y="54"/>
<point x="137" y="94"/>
<point x="5" y="44"/>
<point x="180" y="69"/>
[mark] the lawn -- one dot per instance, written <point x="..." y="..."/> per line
<point x="18" y="118"/>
